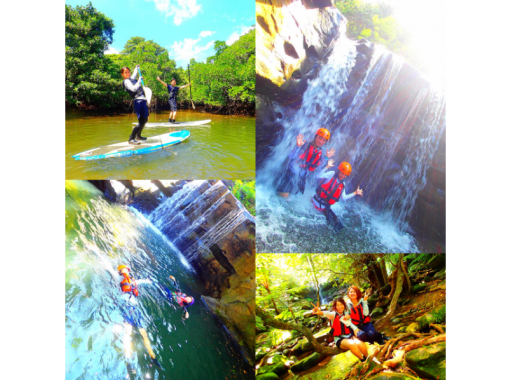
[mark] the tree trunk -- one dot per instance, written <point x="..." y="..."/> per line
<point x="396" y="294"/>
<point x="406" y="278"/>
<point x="270" y="321"/>
<point x="384" y="272"/>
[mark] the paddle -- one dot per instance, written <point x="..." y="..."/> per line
<point x="147" y="91"/>
<point x="190" y="96"/>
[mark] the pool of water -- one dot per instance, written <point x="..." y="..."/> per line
<point x="102" y="235"/>
<point x="225" y="148"/>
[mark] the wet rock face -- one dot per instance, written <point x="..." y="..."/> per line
<point x="293" y="37"/>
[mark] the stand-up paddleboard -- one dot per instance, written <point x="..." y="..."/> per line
<point x="124" y="149"/>
<point x="163" y="124"/>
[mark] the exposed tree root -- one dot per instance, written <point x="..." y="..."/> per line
<point x="437" y="327"/>
<point x="414" y="344"/>
<point x="386" y="350"/>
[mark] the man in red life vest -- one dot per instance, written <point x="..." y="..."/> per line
<point x="303" y="159"/>
<point x="131" y="313"/>
<point x="330" y="189"/>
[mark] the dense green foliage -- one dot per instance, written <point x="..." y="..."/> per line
<point x="376" y="23"/>
<point x="89" y="72"/>
<point x="93" y="78"/>
<point x="228" y="75"/>
<point x="245" y="192"/>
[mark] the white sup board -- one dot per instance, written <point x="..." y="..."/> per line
<point x="124" y="149"/>
<point x="184" y="124"/>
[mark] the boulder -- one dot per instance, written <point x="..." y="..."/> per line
<point x="267" y="376"/>
<point x="413" y="327"/>
<point x="428" y="361"/>
<point x="277" y="368"/>
<point x="307" y="362"/>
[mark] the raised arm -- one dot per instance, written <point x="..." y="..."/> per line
<point x="135" y="72"/>
<point x="163" y="83"/>
<point x="346" y="196"/>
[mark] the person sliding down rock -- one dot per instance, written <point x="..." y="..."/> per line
<point x="182" y="299"/>
<point x="135" y="90"/>
<point x="308" y="157"/>
<point x="131" y="313"/>
<point x="331" y="187"/>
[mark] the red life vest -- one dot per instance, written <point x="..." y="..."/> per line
<point x="357" y="315"/>
<point x="330" y="192"/>
<point x="180" y="298"/>
<point x="128" y="285"/>
<point x="311" y="158"/>
<point x="339" y="328"/>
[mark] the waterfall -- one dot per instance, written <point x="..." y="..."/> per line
<point x="388" y="121"/>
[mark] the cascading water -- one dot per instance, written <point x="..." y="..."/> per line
<point x="100" y="235"/>
<point x="385" y="119"/>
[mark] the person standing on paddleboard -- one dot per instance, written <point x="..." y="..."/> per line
<point x="135" y="90"/>
<point x="303" y="159"/>
<point x="330" y="189"/>
<point x="131" y="313"/>
<point x="173" y="90"/>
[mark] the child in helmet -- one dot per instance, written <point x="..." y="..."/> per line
<point x="303" y="159"/>
<point x="330" y="189"/>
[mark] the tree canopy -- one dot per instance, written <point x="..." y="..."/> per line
<point x="93" y="78"/>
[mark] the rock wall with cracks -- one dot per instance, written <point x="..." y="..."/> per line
<point x="215" y="233"/>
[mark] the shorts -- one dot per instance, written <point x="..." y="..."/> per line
<point x="133" y="316"/>
<point x="173" y="105"/>
<point x="339" y="341"/>
<point x="141" y="109"/>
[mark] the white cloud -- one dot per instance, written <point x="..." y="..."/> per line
<point x="206" y="33"/>
<point x="179" y="9"/>
<point x="111" y="50"/>
<point x="235" y="36"/>
<point x="183" y="51"/>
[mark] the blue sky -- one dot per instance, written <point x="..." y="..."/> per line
<point x="186" y="28"/>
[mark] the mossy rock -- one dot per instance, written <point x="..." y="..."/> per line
<point x="307" y="362"/>
<point x="277" y="368"/>
<point x="438" y="315"/>
<point x="267" y="376"/>
<point x="393" y="376"/>
<point x="261" y="352"/>
<point x="377" y="312"/>
<point x="418" y="288"/>
<point x="413" y="327"/>
<point x="302" y="347"/>
<point x="402" y="329"/>
<point x="428" y="361"/>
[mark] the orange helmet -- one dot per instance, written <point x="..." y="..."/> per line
<point x="345" y="168"/>
<point x="120" y="267"/>
<point x="323" y="132"/>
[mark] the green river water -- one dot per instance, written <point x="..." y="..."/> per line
<point x="101" y="235"/>
<point x="225" y="148"/>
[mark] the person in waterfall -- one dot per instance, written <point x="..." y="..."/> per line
<point x="358" y="313"/>
<point x="180" y="298"/>
<point x="303" y="159"/>
<point x="343" y="329"/>
<point x="173" y="90"/>
<point x="135" y="90"/>
<point x="131" y="313"/>
<point x="330" y="189"/>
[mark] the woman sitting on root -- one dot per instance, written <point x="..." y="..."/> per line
<point x="357" y="308"/>
<point x="343" y="329"/>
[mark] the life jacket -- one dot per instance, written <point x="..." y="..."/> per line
<point x="179" y="297"/>
<point x="357" y="315"/>
<point x="173" y="91"/>
<point x="128" y="285"/>
<point x="134" y="94"/>
<point x="340" y="329"/>
<point x="329" y="192"/>
<point x="311" y="158"/>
